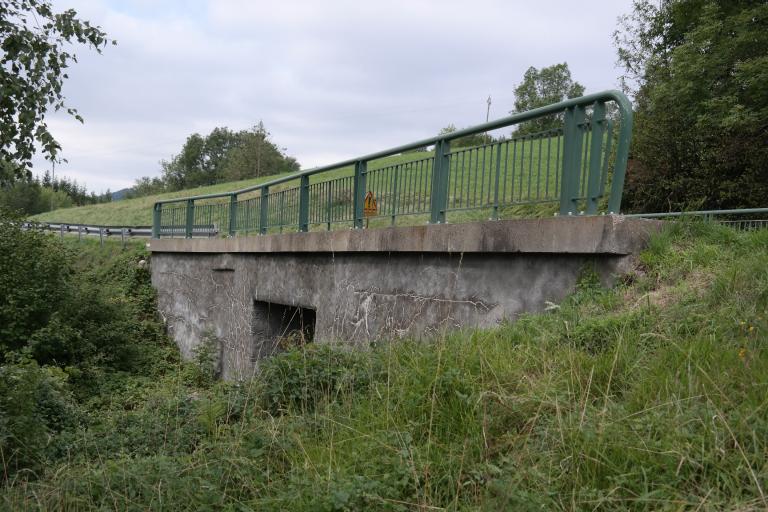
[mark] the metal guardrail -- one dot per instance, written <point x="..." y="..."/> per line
<point x="124" y="232"/>
<point x="567" y="166"/>
<point x="742" y="219"/>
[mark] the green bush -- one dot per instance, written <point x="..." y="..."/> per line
<point x="35" y="404"/>
<point x="302" y="377"/>
<point x="34" y="274"/>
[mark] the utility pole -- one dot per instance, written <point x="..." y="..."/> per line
<point x="487" y="114"/>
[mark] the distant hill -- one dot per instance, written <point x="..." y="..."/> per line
<point x="120" y="194"/>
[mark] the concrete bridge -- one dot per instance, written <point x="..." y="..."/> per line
<point x="356" y="285"/>
<point x="361" y="285"/>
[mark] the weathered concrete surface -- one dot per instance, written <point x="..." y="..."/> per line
<point x="605" y="234"/>
<point x="369" y="285"/>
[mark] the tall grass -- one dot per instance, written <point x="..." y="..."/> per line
<point x="649" y="396"/>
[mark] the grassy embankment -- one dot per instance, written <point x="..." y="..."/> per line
<point x="472" y="181"/>
<point x="648" y="396"/>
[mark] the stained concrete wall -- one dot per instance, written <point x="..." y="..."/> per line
<point x="369" y="285"/>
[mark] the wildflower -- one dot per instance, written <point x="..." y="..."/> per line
<point x="742" y="353"/>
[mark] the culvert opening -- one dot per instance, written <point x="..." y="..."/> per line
<point x="280" y="326"/>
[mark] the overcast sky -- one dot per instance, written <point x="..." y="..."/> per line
<point x="330" y="79"/>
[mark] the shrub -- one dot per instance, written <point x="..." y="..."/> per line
<point x="34" y="404"/>
<point x="302" y="377"/>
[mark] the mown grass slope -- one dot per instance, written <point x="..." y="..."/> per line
<point x="649" y="396"/>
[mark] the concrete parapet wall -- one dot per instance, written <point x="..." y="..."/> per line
<point x="379" y="284"/>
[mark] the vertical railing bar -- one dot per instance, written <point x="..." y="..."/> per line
<point x="482" y="178"/>
<point x="473" y="195"/>
<point x="585" y="160"/>
<point x="394" y="193"/>
<point x="496" y="187"/>
<point x="420" y="187"/>
<point x="454" y="197"/>
<point x="558" y="164"/>
<point x="530" y="166"/>
<point x="549" y="163"/>
<point x="506" y="172"/>
<point x="522" y="168"/>
<point x="410" y="183"/>
<point x="606" y="162"/>
<point x="538" y="171"/>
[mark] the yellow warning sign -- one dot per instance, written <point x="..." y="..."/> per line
<point x="370" y="208"/>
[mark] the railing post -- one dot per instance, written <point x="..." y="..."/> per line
<point x="264" y="210"/>
<point x="304" y="204"/>
<point x="156" y="211"/>
<point x="440" y="170"/>
<point x="572" y="145"/>
<point x="188" y="227"/>
<point x="595" y="157"/>
<point x="622" y="155"/>
<point x="361" y="168"/>
<point x="232" y="214"/>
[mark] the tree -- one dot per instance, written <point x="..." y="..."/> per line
<point x="256" y="155"/>
<point x="222" y="155"/>
<point x="543" y="87"/>
<point x="698" y="70"/>
<point x="35" y="55"/>
<point x="478" y="139"/>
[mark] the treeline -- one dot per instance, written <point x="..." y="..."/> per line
<point x="698" y="71"/>
<point x="221" y="156"/>
<point x="33" y="195"/>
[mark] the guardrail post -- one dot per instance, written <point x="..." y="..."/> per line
<point x="440" y="170"/>
<point x="304" y="204"/>
<point x="232" y="214"/>
<point x="264" y="213"/>
<point x="156" y="211"/>
<point x="361" y="169"/>
<point x="572" y="145"/>
<point x="188" y="227"/>
<point x="595" y="157"/>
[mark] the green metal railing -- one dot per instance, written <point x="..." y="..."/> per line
<point x="568" y="167"/>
